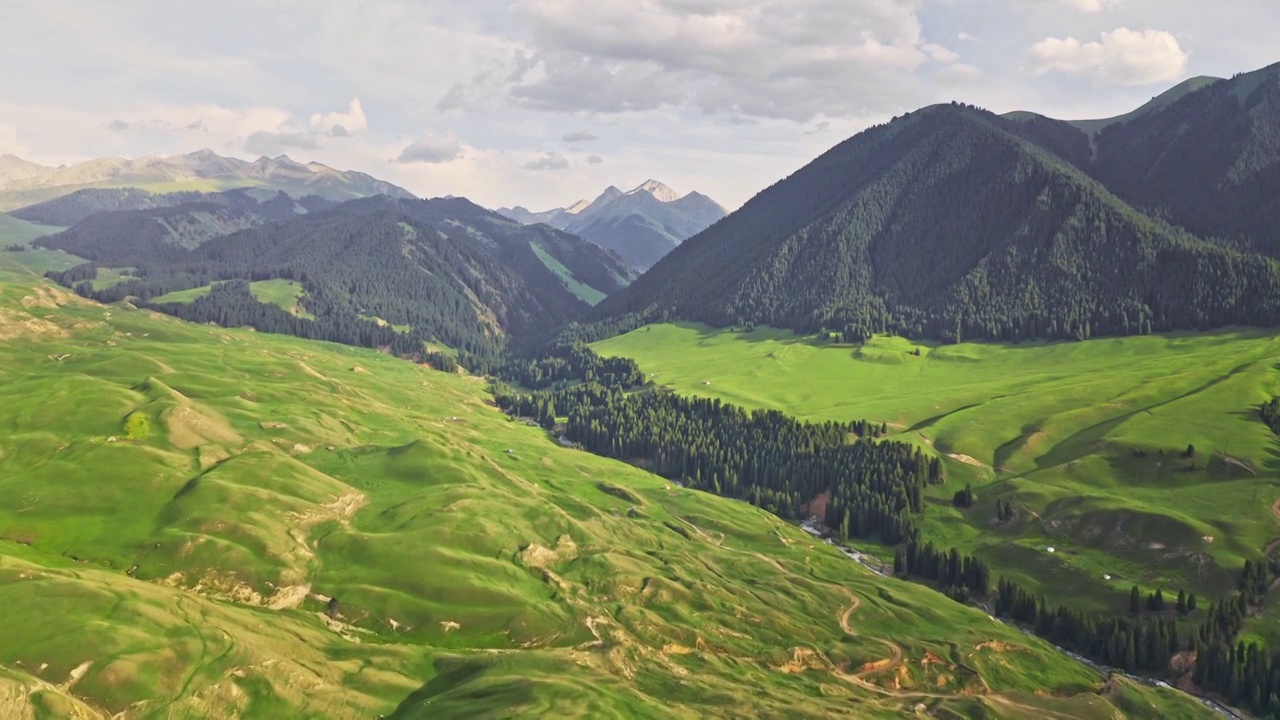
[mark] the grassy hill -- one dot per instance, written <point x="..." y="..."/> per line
<point x="1086" y="439"/>
<point x="14" y="231"/>
<point x="200" y="522"/>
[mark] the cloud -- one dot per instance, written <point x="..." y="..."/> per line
<point x="792" y="59"/>
<point x="1093" y="6"/>
<point x="432" y="149"/>
<point x="339" y="124"/>
<point x="118" y="125"/>
<point x="580" y="136"/>
<point x="959" y="74"/>
<point x="594" y="159"/>
<point x="549" y="161"/>
<point x="265" y="142"/>
<point x="9" y="142"/>
<point x="1121" y="57"/>
<point x="939" y="53"/>
<point x="966" y="37"/>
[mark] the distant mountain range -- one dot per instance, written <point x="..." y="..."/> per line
<point x="954" y="223"/>
<point x="24" y="183"/>
<point x="379" y="272"/>
<point x="641" y="225"/>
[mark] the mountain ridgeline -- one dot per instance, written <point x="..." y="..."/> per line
<point x="953" y="223"/>
<point x="24" y="183"/>
<point x="641" y="226"/>
<point x="378" y="272"/>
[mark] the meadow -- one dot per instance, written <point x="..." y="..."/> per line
<point x="198" y="521"/>
<point x="285" y="294"/>
<point x="1088" y="440"/>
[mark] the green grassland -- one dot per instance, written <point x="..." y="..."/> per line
<point x="35" y="263"/>
<point x="208" y="522"/>
<point x="1087" y="439"/>
<point x="21" y="232"/>
<point x="285" y="294"/>
<point x="584" y="292"/>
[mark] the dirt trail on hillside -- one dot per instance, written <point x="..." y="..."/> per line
<point x="877" y="666"/>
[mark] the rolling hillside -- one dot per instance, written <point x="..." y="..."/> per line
<point x="232" y="523"/>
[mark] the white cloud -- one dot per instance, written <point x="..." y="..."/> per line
<point x="939" y="53"/>
<point x="340" y="124"/>
<point x="1120" y="57"/>
<point x="580" y="136"/>
<point x="791" y="59"/>
<point x="1094" y="6"/>
<point x="549" y="161"/>
<point x="266" y="142"/>
<point x="432" y="149"/>
<point x="9" y="144"/>
<point x="959" y="74"/>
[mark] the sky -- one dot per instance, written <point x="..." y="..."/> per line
<point x="544" y="102"/>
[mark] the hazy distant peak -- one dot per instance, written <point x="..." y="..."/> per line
<point x="20" y="179"/>
<point x="659" y="191"/>
<point x="577" y="207"/>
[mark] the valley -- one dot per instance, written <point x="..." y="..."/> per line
<point x="1086" y="439"/>
<point x="252" y="524"/>
<point x="976" y="414"/>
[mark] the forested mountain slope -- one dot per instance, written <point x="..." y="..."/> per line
<point x="70" y="209"/>
<point x="1209" y="161"/>
<point x="375" y="272"/>
<point x="950" y="223"/>
<point x="164" y="229"/>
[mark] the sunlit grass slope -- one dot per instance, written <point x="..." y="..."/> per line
<point x="1087" y="439"/>
<point x="201" y="522"/>
<point x="285" y="294"/>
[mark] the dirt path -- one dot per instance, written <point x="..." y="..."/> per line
<point x="719" y="542"/>
<point x="967" y="459"/>
<point x="877" y="666"/>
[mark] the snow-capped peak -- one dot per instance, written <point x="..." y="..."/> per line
<point x="578" y="207"/>
<point x="659" y="191"/>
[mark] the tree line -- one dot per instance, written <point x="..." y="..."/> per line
<point x="763" y="457"/>
<point x="874" y="490"/>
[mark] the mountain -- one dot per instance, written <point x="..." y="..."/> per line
<point x="1168" y="97"/>
<point x="68" y="210"/>
<point x="641" y="226"/>
<point x="1210" y="161"/>
<point x="163" y="227"/>
<point x="952" y="223"/>
<point x="374" y="272"/>
<point x="24" y="183"/>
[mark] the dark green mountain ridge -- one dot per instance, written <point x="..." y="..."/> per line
<point x="952" y="222"/>
<point x="448" y="270"/>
